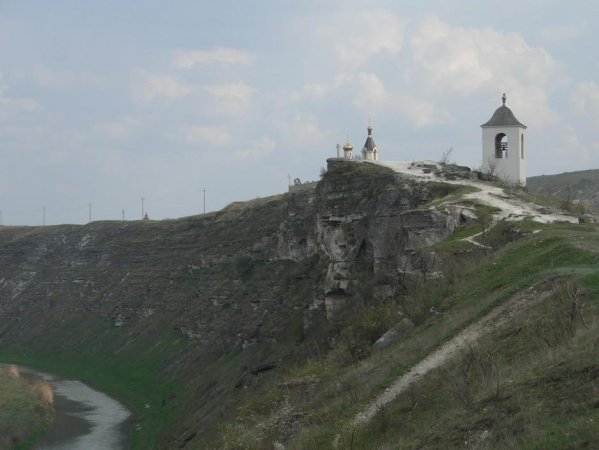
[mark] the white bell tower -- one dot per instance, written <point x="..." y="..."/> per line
<point x="504" y="146"/>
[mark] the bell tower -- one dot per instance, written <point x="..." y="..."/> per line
<point x="504" y="146"/>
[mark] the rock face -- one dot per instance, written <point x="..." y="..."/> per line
<point x="370" y="223"/>
<point x="251" y="286"/>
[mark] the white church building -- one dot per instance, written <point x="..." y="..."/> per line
<point x="370" y="151"/>
<point x="503" y="146"/>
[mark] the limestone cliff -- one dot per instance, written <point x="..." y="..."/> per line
<point x="249" y="288"/>
<point x="370" y="221"/>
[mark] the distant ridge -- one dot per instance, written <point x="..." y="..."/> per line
<point x="582" y="185"/>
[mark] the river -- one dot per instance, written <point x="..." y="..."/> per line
<point x="85" y="419"/>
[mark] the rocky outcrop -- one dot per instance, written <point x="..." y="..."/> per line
<point x="370" y="221"/>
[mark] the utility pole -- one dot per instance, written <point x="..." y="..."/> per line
<point x="0" y="217"/>
<point x="204" y="191"/>
<point x="90" y="212"/>
<point x="289" y="178"/>
<point x="44" y="216"/>
<point x="123" y="214"/>
<point x="142" y="208"/>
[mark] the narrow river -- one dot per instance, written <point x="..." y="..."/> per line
<point x="85" y="419"/>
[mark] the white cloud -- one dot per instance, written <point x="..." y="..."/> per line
<point x="302" y="132"/>
<point x="585" y="99"/>
<point x="365" y="89"/>
<point x="422" y="112"/>
<point x="189" y="59"/>
<point x="258" y="150"/>
<point x="315" y="91"/>
<point x="571" y="146"/>
<point x="120" y="128"/>
<point x="153" y="86"/>
<point x="370" y="91"/>
<point x="465" y="60"/>
<point x="231" y="99"/>
<point x="8" y="105"/>
<point x="25" y="104"/>
<point x="356" y="36"/>
<point x="201" y="135"/>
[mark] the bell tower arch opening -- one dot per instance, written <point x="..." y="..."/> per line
<point x="501" y="146"/>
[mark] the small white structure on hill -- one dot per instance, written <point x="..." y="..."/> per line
<point x="503" y="146"/>
<point x="370" y="152"/>
<point x="347" y="150"/>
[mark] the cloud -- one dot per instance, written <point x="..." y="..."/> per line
<point x="465" y="60"/>
<point x="370" y="91"/>
<point x="302" y="132"/>
<point x="570" y="145"/>
<point x="9" y="105"/>
<point x="217" y="135"/>
<point x="153" y="86"/>
<point x="315" y="91"/>
<point x="189" y="59"/>
<point x="258" y="150"/>
<point x="422" y="112"/>
<point x="357" y="36"/>
<point x="366" y="89"/>
<point x="231" y="99"/>
<point x="585" y="99"/>
<point x="24" y="104"/>
<point x="120" y="128"/>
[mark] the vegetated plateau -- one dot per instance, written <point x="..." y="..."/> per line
<point x="293" y="321"/>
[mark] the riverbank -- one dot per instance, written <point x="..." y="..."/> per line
<point x="26" y="409"/>
<point x="132" y="380"/>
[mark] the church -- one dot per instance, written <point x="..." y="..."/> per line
<point x="503" y="140"/>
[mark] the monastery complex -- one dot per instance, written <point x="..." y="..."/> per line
<point x="503" y="140"/>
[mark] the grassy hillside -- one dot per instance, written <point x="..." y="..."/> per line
<point x="582" y="185"/>
<point x="531" y="381"/>
<point x="214" y="328"/>
<point x="177" y="319"/>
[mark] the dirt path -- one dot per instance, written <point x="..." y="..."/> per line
<point x="496" y="318"/>
<point x="509" y="209"/>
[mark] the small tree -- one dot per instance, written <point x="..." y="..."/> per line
<point x="445" y="156"/>
<point x="491" y="167"/>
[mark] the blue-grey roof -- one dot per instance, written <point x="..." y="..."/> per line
<point x="369" y="145"/>
<point x="502" y="117"/>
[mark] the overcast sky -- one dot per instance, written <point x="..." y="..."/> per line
<point x="104" y="102"/>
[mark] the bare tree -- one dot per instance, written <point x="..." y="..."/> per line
<point x="492" y="167"/>
<point x="445" y="156"/>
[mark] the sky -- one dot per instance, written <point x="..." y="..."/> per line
<point x="103" y="103"/>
